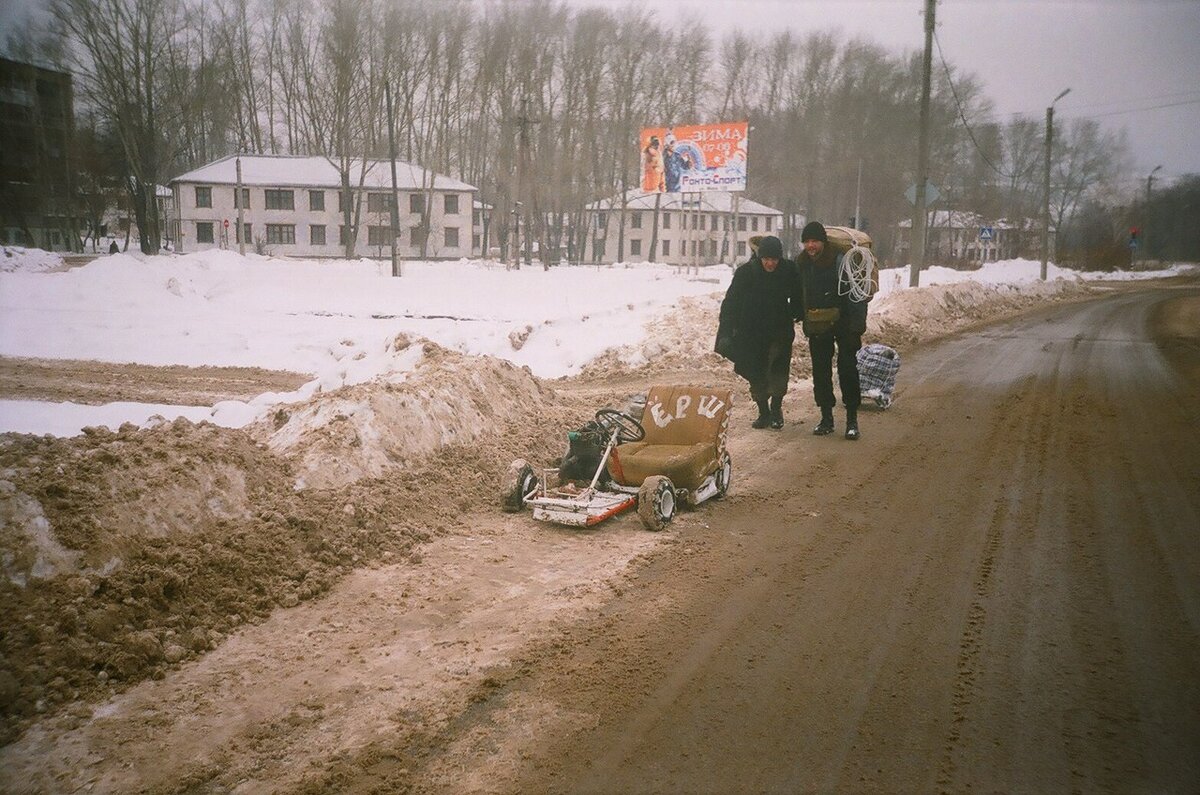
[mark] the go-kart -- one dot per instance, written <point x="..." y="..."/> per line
<point x="678" y="457"/>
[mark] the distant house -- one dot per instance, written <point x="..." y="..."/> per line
<point x="37" y="191"/>
<point x="293" y="207"/>
<point x="685" y="229"/>
<point x="960" y="238"/>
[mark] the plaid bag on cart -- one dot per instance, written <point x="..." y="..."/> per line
<point x="877" y="368"/>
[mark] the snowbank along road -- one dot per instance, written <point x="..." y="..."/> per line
<point x="995" y="589"/>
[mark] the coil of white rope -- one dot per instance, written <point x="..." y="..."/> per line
<point x="854" y="275"/>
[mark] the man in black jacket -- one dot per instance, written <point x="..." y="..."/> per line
<point x="756" y="329"/>
<point x="831" y="319"/>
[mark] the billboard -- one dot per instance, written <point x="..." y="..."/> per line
<point x="699" y="157"/>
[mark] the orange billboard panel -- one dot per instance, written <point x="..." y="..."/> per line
<point x="699" y="157"/>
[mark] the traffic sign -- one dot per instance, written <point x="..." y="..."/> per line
<point x="986" y="233"/>
<point x="931" y="193"/>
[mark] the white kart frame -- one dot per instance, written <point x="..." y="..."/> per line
<point x="657" y="499"/>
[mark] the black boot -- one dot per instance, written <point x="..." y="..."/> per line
<point x="777" y="412"/>
<point x="852" y="424"/>
<point x="825" y="426"/>
<point x="764" y="415"/>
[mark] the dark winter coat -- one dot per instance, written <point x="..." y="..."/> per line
<point x="819" y="288"/>
<point x="759" y="308"/>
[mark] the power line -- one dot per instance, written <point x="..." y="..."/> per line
<point x="962" y="115"/>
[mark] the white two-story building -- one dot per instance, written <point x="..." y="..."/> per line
<point x="683" y="229"/>
<point x="293" y="207"/>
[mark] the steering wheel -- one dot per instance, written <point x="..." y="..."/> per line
<point x="625" y="427"/>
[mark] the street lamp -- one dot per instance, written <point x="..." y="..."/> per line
<point x="1046" y="182"/>
<point x="1146" y="214"/>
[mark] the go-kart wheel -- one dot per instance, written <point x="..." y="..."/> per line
<point x="656" y="502"/>
<point x="518" y="483"/>
<point x="724" y="475"/>
<point x="627" y="428"/>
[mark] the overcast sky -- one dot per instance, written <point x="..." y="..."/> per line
<point x="1131" y="64"/>
<point x="1122" y="59"/>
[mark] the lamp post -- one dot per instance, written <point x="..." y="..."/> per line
<point x="1146" y="220"/>
<point x="1046" y="182"/>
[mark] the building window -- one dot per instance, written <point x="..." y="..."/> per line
<point x="246" y="230"/>
<point x="281" y="233"/>
<point x="416" y="203"/>
<point x="245" y="205"/>
<point x="769" y="219"/>
<point x="476" y="218"/>
<point x="418" y="236"/>
<point x="741" y="248"/>
<point x="598" y="249"/>
<point x="279" y="200"/>
<point x="666" y="248"/>
<point x="741" y="223"/>
<point x="637" y="220"/>
<point x="341" y="201"/>
<point x="204" y="232"/>
<point x="451" y="237"/>
<point x="451" y="204"/>
<point x="316" y="234"/>
<point x="203" y="197"/>
<point x="602" y="221"/>
<point x="343" y="235"/>
<point x="754" y="223"/>
<point x="316" y="201"/>
<point x="712" y="248"/>
<point x="635" y="248"/>
<point x="475" y="242"/>
<point x="666" y="221"/>
<point x="379" y="202"/>
<point x="379" y="235"/>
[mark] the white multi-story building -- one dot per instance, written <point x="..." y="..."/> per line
<point x="293" y="207"/>
<point x="684" y="229"/>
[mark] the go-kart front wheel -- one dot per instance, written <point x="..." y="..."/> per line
<point x="656" y="502"/>
<point x="518" y="483"/>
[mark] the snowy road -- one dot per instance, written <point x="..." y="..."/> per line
<point x="996" y="589"/>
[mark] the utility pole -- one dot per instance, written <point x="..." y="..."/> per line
<point x="858" y="199"/>
<point x="1046" y="183"/>
<point x="396" y="269"/>
<point x="239" y="200"/>
<point x="917" y="254"/>
<point x="1146" y="220"/>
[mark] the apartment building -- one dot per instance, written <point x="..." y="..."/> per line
<point x="684" y="229"/>
<point x="293" y="206"/>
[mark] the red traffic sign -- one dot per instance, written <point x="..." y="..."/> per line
<point x="226" y="223"/>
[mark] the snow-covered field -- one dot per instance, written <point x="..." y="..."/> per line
<point x="339" y="319"/>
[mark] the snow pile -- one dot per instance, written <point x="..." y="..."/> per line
<point x="339" y="319"/>
<point x="367" y="430"/>
<point x="28" y="260"/>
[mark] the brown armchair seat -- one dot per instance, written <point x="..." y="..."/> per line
<point x="686" y="429"/>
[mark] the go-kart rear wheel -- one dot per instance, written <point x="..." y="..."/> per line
<point x="519" y="481"/>
<point x="656" y="502"/>
<point x="724" y="476"/>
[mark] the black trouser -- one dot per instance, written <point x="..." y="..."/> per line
<point x="821" y="349"/>
<point x="774" y="380"/>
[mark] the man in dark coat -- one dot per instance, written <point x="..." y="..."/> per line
<point x="819" y="267"/>
<point x="756" y="329"/>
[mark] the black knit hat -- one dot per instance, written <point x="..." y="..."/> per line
<point x="770" y="246"/>
<point x="814" y="230"/>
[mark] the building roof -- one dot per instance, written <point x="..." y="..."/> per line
<point x="302" y="171"/>
<point x="710" y="201"/>
<point x="964" y="219"/>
